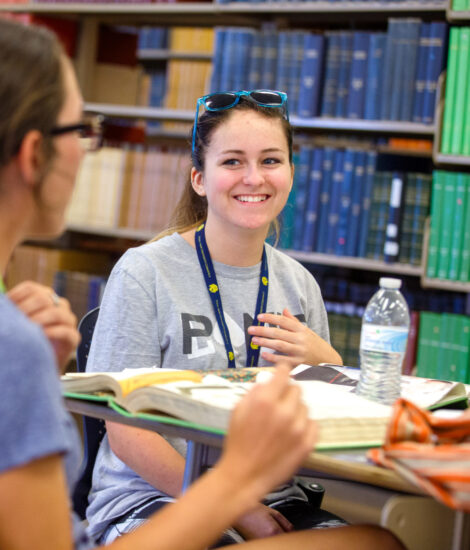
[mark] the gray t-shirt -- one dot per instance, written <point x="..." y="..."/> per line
<point x="156" y="311"/>
<point x="33" y="421"/>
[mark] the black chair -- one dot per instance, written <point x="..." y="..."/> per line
<point x="93" y="428"/>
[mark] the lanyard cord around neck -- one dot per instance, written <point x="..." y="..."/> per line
<point x="207" y="267"/>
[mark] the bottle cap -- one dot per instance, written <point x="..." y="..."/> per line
<point x="388" y="282"/>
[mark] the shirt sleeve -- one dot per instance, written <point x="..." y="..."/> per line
<point x="126" y="332"/>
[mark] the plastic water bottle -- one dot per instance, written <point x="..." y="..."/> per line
<point x="384" y="335"/>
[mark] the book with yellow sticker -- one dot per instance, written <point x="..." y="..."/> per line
<point x="207" y="399"/>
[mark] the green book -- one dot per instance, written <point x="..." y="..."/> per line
<point x="456" y="141"/>
<point x="459" y="5"/>
<point x="464" y="274"/>
<point x="458" y="228"/>
<point x="446" y="226"/>
<point x="421" y="212"/>
<point x="463" y="341"/>
<point x="445" y="364"/>
<point x="447" y="122"/>
<point x="428" y="344"/>
<point x="436" y="218"/>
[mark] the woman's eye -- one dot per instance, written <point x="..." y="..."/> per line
<point x="271" y="160"/>
<point x="231" y="162"/>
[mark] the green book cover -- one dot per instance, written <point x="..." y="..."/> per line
<point x="436" y="217"/>
<point x="458" y="228"/>
<point x="459" y="5"/>
<point x="456" y="140"/>
<point x="447" y="129"/>
<point x="444" y="350"/>
<point x="464" y="275"/>
<point x="421" y="212"/>
<point x="428" y="343"/>
<point x="446" y="226"/>
<point x="406" y="233"/>
<point x="463" y="341"/>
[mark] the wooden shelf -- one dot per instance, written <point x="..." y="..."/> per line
<point x="148" y="113"/>
<point x="355" y="263"/>
<point x="162" y="55"/>
<point x="457" y="160"/>
<point x="453" y="286"/>
<point x="113" y="232"/>
<point x="457" y="16"/>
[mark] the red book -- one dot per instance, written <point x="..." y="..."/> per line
<point x="409" y="361"/>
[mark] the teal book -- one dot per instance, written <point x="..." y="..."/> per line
<point x="447" y="225"/>
<point x="458" y="228"/>
<point x="447" y="353"/>
<point x="406" y="233"/>
<point x="286" y="239"/>
<point x="421" y="212"/>
<point x="436" y="218"/>
<point x="428" y="343"/>
<point x="461" y="92"/>
<point x="451" y="84"/>
<point x="463" y="342"/>
<point x="464" y="275"/>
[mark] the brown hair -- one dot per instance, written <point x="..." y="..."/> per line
<point x="191" y="209"/>
<point x="31" y="88"/>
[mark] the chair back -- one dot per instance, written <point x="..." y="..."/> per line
<point x="93" y="428"/>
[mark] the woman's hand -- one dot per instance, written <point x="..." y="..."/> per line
<point x="293" y="341"/>
<point x="262" y="522"/>
<point x="269" y="435"/>
<point x="53" y="314"/>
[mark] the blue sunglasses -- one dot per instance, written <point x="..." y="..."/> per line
<point x="219" y="101"/>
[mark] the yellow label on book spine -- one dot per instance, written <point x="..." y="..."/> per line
<point x="157" y="377"/>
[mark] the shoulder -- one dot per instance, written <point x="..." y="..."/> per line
<point x="282" y="265"/>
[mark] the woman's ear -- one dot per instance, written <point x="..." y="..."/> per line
<point x="197" y="181"/>
<point x="30" y="157"/>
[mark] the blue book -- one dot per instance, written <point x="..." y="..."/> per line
<point x="242" y="48"/>
<point x="371" y="161"/>
<point x="287" y="216"/>
<point x="396" y="90"/>
<point x="390" y="56"/>
<point x="335" y="201"/>
<point x="313" y="201"/>
<point x="375" y="63"/>
<point x="301" y="180"/>
<point x="418" y="95"/>
<point x="357" y="83"/>
<point x="434" y="67"/>
<point x="256" y="62"/>
<point x="342" y="233"/>
<point x="330" y="83"/>
<point x="420" y="213"/>
<point x="311" y="75"/>
<point x="392" y="229"/>
<point x="218" y="58"/>
<point x="284" y="59"/>
<point x="293" y="84"/>
<point x="356" y="199"/>
<point x="345" y="57"/>
<point x="410" y="56"/>
<point x="327" y="169"/>
<point x="268" y="73"/>
<point x="158" y="38"/>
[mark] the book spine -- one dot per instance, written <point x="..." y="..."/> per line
<point x="457" y="228"/>
<point x="420" y="213"/>
<point x="301" y="176"/>
<point x="371" y="161"/>
<point x="436" y="219"/>
<point x="327" y="170"/>
<point x="218" y="57"/>
<point x="293" y="88"/>
<point x="255" y="63"/>
<point x="358" y="75"/>
<point x="406" y="231"/>
<point x="410" y="56"/>
<point x="242" y="53"/>
<point x="420" y="81"/>
<point x="311" y="75"/>
<point x="227" y="60"/>
<point x="313" y="201"/>
<point x="446" y="234"/>
<point x="456" y="141"/>
<point x="434" y="67"/>
<point x="268" y="79"/>
<point x="284" y="60"/>
<point x="390" y="60"/>
<point x="375" y="65"/>
<point x="345" y="203"/>
<point x="356" y="203"/>
<point x="330" y="85"/>
<point x="463" y="368"/>
<point x="392" y="236"/>
<point x="335" y="201"/>
<point x="409" y="360"/>
<point x="464" y="275"/>
<point x="451" y="85"/>
<point x="345" y="57"/>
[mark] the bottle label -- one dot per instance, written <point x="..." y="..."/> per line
<point x="379" y="338"/>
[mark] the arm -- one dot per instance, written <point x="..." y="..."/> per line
<point x="39" y="303"/>
<point x="293" y="341"/>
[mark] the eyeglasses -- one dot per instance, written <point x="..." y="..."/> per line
<point x="219" y="101"/>
<point x="90" y="131"/>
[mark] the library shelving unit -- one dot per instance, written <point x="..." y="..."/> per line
<point x="284" y="15"/>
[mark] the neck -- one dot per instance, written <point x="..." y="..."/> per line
<point x="243" y="248"/>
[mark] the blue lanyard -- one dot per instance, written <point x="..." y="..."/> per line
<point x="207" y="267"/>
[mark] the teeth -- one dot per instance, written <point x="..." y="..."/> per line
<point x="252" y="198"/>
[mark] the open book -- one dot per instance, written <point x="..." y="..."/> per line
<point x="424" y="392"/>
<point x="344" y="419"/>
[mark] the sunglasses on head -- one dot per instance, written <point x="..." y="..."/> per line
<point x="220" y="101"/>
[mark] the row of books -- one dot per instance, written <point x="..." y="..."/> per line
<point x="177" y="39"/>
<point x="449" y="239"/>
<point x="358" y="75"/>
<point x="444" y="346"/>
<point x="456" y="118"/>
<point x="461" y="5"/>
<point x="130" y="187"/>
<point x="341" y="205"/>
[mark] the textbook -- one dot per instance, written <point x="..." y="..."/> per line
<point x="344" y="419"/>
